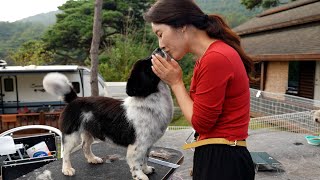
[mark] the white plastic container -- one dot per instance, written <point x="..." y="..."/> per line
<point x="39" y="150"/>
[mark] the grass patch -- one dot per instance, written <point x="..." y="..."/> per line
<point x="254" y="125"/>
<point x="179" y="121"/>
<point x="178" y="118"/>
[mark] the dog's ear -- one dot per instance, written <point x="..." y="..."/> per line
<point x="142" y="81"/>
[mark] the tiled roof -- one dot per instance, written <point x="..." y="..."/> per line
<point x="289" y="32"/>
<point x="287" y="6"/>
<point x="298" y="12"/>
<point x="302" y="39"/>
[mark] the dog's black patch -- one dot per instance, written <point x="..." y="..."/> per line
<point x="142" y="81"/>
<point x="108" y="119"/>
<point x="70" y="96"/>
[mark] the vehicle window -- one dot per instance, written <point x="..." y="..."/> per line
<point x="76" y="86"/>
<point x="8" y="84"/>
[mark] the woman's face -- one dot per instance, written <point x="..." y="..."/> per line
<point x="171" y="40"/>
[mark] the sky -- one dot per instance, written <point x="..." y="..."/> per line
<point x="12" y="10"/>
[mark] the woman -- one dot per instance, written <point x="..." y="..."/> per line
<point x="218" y="103"/>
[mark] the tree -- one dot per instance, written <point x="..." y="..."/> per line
<point x="94" y="51"/>
<point x="71" y="36"/>
<point x="251" y="4"/>
<point x="31" y="53"/>
<point x="117" y="61"/>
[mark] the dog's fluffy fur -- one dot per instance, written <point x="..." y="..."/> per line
<point x="136" y="122"/>
<point x="316" y="116"/>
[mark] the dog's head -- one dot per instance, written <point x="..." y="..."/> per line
<point x="316" y="116"/>
<point x="142" y="81"/>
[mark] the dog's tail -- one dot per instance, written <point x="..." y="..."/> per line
<point x="58" y="84"/>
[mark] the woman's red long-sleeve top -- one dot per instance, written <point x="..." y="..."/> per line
<point x="220" y="93"/>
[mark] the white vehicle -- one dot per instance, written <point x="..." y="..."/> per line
<point x="21" y="87"/>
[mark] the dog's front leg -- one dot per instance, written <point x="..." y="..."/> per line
<point x="135" y="162"/>
<point x="145" y="168"/>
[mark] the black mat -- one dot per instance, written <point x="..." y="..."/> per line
<point x="117" y="169"/>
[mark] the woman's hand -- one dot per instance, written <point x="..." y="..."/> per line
<point x="167" y="70"/>
<point x="171" y="73"/>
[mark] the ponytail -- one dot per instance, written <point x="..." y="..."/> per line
<point x="218" y="29"/>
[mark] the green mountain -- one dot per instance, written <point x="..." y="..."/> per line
<point x="46" y="19"/>
<point x="231" y="10"/>
<point x="13" y="35"/>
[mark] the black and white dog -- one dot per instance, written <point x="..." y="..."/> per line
<point x="136" y="122"/>
<point x="316" y="116"/>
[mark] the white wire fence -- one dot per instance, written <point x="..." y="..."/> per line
<point x="300" y="122"/>
<point x="174" y="128"/>
<point x="280" y="112"/>
<point x="267" y="103"/>
<point x="283" y="112"/>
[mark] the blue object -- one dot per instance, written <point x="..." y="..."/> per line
<point x="40" y="154"/>
<point x="313" y="140"/>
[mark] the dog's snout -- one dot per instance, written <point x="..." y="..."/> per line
<point x="316" y="119"/>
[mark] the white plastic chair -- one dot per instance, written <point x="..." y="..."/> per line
<point x="10" y="132"/>
<point x="8" y="147"/>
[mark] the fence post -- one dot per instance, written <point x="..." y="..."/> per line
<point x="42" y="120"/>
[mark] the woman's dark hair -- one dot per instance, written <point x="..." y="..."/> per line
<point x="178" y="13"/>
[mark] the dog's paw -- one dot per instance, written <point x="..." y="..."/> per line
<point x="95" y="160"/>
<point x="148" y="169"/>
<point x="68" y="171"/>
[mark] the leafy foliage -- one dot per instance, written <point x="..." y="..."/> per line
<point x="31" y="52"/>
<point x="251" y="4"/>
<point x="116" y="62"/>
<point x="73" y="31"/>
<point x="119" y="56"/>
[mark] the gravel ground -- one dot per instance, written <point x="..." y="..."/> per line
<point x="299" y="160"/>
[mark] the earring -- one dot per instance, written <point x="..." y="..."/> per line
<point x="183" y="29"/>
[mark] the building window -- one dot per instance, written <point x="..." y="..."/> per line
<point x="257" y="69"/>
<point x="8" y="84"/>
<point x="256" y="75"/>
<point x="76" y="86"/>
<point x="293" y="78"/>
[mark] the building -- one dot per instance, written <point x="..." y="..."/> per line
<point x="284" y="42"/>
